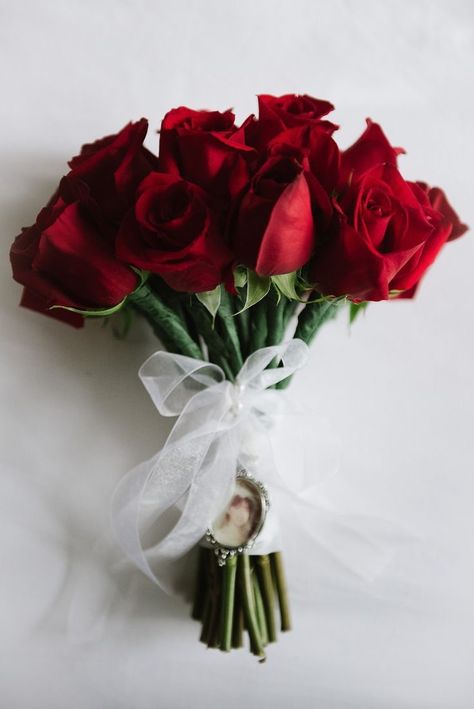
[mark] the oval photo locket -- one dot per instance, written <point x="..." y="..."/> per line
<point x="236" y="528"/>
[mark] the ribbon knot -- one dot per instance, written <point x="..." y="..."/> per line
<point x="238" y="404"/>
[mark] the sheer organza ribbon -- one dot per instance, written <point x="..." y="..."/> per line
<point x="162" y="508"/>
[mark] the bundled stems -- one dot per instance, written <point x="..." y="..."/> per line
<point x="313" y="316"/>
<point x="166" y="323"/>
<point x="217" y="348"/>
<point x="239" y="597"/>
<point x="182" y="322"/>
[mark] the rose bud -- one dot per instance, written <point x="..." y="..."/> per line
<point x="205" y="147"/>
<point x="67" y="257"/>
<point x="278" y="114"/>
<point x="113" y="166"/>
<point x="173" y="232"/>
<point x="274" y="230"/>
<point x="292" y="111"/>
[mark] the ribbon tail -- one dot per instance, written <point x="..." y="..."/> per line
<point x="162" y="508"/>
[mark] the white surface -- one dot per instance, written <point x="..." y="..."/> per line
<point x="399" y="387"/>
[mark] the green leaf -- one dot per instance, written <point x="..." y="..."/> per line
<point x="355" y="309"/>
<point x="286" y="285"/>
<point x="240" y="276"/>
<point x="93" y="312"/>
<point x="211" y="300"/>
<point x="143" y="276"/>
<point x="106" y="312"/>
<point x="257" y="289"/>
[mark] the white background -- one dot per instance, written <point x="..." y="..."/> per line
<point x="398" y="388"/>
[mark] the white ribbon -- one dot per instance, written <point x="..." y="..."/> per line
<point x="221" y="425"/>
<point x="174" y="496"/>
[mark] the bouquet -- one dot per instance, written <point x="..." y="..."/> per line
<point x="236" y="243"/>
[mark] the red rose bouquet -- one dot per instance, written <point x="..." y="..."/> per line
<point x="230" y="241"/>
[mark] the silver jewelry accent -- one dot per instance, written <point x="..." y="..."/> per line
<point x="224" y="551"/>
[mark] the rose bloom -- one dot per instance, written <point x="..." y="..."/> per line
<point x="288" y="202"/>
<point x="172" y="231"/>
<point x="386" y="232"/>
<point x="279" y="113"/>
<point x="113" y="166"/>
<point x="206" y="148"/>
<point x="67" y="257"/>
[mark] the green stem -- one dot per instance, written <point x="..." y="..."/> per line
<point x="238" y="622"/>
<point x="248" y="602"/>
<point x="200" y="591"/>
<point x="266" y="584"/>
<point x="258" y="326"/>
<point x="276" y="561"/>
<point x="259" y="605"/>
<point x="227" y="603"/>
<point x="310" y="319"/>
<point x="165" y="322"/>
<point x="226" y="323"/>
<point x="290" y="308"/>
<point x="206" y="619"/>
<point x="275" y="318"/>
<point x="170" y="297"/>
<point x="243" y="327"/>
<point x="216" y="346"/>
<point x="215" y="590"/>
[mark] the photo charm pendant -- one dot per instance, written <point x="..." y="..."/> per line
<point x="236" y="528"/>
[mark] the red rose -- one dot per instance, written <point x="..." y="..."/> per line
<point x="291" y="111"/>
<point x="383" y="238"/>
<point x="173" y="232"/>
<point x="449" y="227"/>
<point x="288" y="202"/>
<point x="370" y="150"/>
<point x="279" y="113"/>
<point x="438" y="200"/>
<point x="274" y="231"/>
<point x="206" y="148"/>
<point x="315" y="149"/>
<point x="67" y="257"/>
<point x="113" y="166"/>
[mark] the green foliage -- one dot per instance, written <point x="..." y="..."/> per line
<point x="257" y="289"/>
<point x="211" y="300"/>
<point x="355" y="309"/>
<point x="93" y="312"/>
<point x="240" y="276"/>
<point x="107" y="312"/>
<point x="286" y="285"/>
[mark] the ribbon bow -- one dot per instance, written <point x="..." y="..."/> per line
<point x="219" y="427"/>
